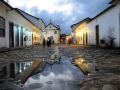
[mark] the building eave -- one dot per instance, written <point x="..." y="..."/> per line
<point x="111" y="2"/>
<point x="82" y="21"/>
<point x="53" y="25"/>
<point x="7" y="4"/>
<point x="114" y="2"/>
<point x="28" y="14"/>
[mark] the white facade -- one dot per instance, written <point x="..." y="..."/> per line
<point x="101" y="27"/>
<point x="19" y="30"/>
<point x="80" y="33"/>
<point x="40" y="26"/>
<point x="11" y="16"/>
<point x="53" y="31"/>
<point x="109" y="25"/>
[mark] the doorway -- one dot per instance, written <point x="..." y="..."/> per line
<point x="11" y="35"/>
<point x="17" y="37"/>
<point x="21" y="36"/>
<point x="97" y="34"/>
<point x="85" y="37"/>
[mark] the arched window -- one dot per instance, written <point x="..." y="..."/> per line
<point x="2" y="27"/>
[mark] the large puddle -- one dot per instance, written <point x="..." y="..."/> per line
<point x="53" y="73"/>
<point x="60" y="76"/>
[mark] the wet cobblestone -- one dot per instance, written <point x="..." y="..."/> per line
<point x="104" y="59"/>
<point x="107" y="60"/>
<point x="26" y="54"/>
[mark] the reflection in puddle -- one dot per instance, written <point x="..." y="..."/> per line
<point x="13" y="69"/>
<point x="62" y="75"/>
<point x="84" y="65"/>
<point x="8" y="71"/>
<point x="53" y="73"/>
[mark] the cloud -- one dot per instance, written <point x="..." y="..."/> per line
<point x="62" y="12"/>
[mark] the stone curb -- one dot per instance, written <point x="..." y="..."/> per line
<point x="13" y="48"/>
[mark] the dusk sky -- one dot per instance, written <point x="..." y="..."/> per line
<point x="61" y="12"/>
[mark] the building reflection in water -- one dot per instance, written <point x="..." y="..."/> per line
<point x="13" y="69"/>
<point x="55" y="57"/>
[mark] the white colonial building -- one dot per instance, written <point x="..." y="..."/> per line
<point x="37" y="34"/>
<point x="53" y="32"/>
<point x="16" y="28"/>
<point x="79" y="33"/>
<point x="103" y="26"/>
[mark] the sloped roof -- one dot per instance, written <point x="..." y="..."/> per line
<point x="111" y="2"/>
<point x="58" y="28"/>
<point x="23" y="15"/>
<point x="7" y="4"/>
<point x="84" y="20"/>
<point x="31" y="18"/>
<point x="114" y="2"/>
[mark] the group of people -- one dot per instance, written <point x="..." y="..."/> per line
<point x="48" y="42"/>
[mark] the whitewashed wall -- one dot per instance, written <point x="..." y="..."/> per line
<point x="74" y="26"/>
<point x="13" y="16"/>
<point x="108" y="24"/>
<point x="3" y="40"/>
<point x="78" y="33"/>
<point x="42" y="26"/>
<point x="50" y="32"/>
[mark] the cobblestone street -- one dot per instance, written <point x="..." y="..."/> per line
<point x="27" y="54"/>
<point x="104" y="59"/>
<point x="107" y="60"/>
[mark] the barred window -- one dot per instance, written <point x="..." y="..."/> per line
<point x="2" y="27"/>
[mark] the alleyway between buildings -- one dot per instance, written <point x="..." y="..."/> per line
<point x="103" y="61"/>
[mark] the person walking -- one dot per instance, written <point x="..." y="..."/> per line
<point x="69" y="41"/>
<point x="43" y="42"/>
<point x="48" y="42"/>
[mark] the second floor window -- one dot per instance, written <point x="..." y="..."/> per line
<point x="55" y="32"/>
<point x="2" y="27"/>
